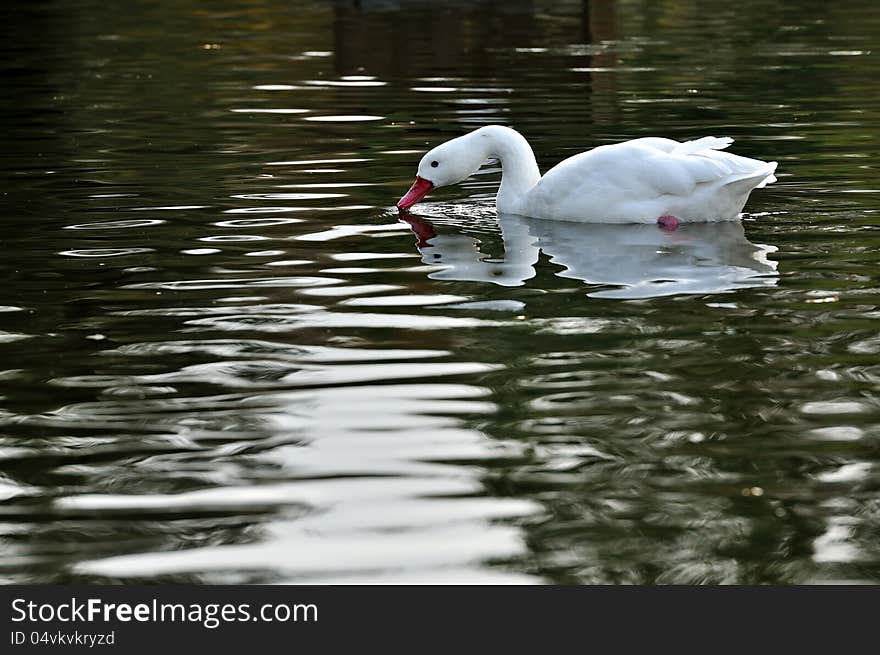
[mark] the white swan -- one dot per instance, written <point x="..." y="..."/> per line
<point x="640" y="181"/>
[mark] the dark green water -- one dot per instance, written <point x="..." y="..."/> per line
<point x="224" y="359"/>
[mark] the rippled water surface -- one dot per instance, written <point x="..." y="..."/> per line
<point x="223" y="357"/>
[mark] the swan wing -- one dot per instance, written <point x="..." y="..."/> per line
<point x="701" y="162"/>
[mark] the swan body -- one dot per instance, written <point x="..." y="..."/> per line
<point x="637" y="181"/>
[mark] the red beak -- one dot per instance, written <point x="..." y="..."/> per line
<point x="420" y="188"/>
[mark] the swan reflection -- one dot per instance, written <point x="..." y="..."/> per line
<point x="635" y="261"/>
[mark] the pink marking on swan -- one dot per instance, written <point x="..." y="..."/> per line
<point x="668" y="222"/>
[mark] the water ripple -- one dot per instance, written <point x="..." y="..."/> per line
<point x="116" y="225"/>
<point x="349" y="118"/>
<point x="105" y="252"/>
<point x="241" y="283"/>
<point x="257" y="222"/>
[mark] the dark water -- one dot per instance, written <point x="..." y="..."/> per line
<point x="225" y="359"/>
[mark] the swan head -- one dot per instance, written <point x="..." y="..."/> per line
<point x="448" y="163"/>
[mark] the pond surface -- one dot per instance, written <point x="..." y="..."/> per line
<point x="224" y="359"/>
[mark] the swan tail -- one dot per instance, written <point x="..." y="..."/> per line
<point x="755" y="179"/>
<point x="699" y="145"/>
<point x="771" y="178"/>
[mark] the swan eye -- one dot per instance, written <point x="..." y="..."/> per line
<point x="435" y="164"/>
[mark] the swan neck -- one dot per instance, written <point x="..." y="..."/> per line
<point x="519" y="170"/>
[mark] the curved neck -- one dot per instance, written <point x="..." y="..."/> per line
<point x="519" y="170"/>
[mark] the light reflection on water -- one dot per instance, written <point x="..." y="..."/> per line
<point x="226" y="359"/>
